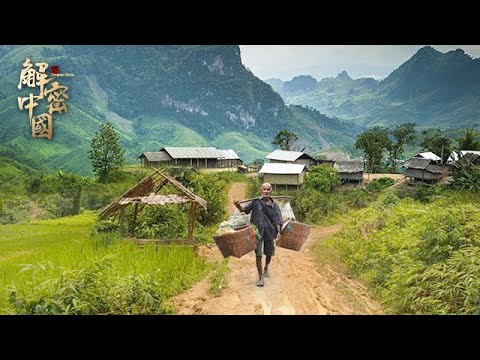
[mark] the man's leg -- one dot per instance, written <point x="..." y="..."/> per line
<point x="267" y="263"/>
<point x="259" y="267"/>
<point x="260" y="281"/>
<point x="269" y="252"/>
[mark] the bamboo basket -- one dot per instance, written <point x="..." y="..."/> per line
<point x="237" y="244"/>
<point x="294" y="236"/>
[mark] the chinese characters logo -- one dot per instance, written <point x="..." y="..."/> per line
<point x="54" y="93"/>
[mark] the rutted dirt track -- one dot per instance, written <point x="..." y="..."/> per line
<point x="296" y="286"/>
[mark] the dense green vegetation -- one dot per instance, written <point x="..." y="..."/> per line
<point x="418" y="256"/>
<point x="27" y="194"/>
<point x="57" y="267"/>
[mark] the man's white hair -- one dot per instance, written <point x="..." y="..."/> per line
<point x="266" y="185"/>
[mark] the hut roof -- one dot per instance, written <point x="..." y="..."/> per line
<point x="155" y="156"/>
<point x="416" y="163"/>
<point x="472" y="158"/>
<point x="348" y="167"/>
<point x="193" y="152"/>
<point x="423" y="164"/>
<point x="146" y="192"/>
<point x="434" y="169"/>
<point x="282" y="169"/>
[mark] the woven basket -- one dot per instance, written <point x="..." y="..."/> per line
<point x="294" y="236"/>
<point x="237" y="244"/>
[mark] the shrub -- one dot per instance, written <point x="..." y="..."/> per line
<point x="322" y="178"/>
<point x="467" y="178"/>
<point x="104" y="226"/>
<point x="380" y="184"/>
<point x="93" y="290"/>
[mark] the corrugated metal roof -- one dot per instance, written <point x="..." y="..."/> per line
<point x="229" y="154"/>
<point x="428" y="155"/>
<point x="278" y="168"/>
<point x="348" y="167"/>
<point x="193" y="152"/>
<point x="284" y="155"/>
<point x="156" y="156"/>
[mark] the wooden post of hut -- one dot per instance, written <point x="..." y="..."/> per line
<point x="122" y="221"/>
<point x="191" y="221"/>
<point x="134" y="221"/>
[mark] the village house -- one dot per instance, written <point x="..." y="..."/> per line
<point x="350" y="171"/>
<point x="423" y="170"/>
<point x="291" y="157"/>
<point x="283" y="174"/>
<point x="196" y="157"/>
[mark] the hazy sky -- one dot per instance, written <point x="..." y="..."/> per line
<point x="286" y="61"/>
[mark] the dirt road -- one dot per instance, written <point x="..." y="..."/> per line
<point x="237" y="191"/>
<point x="297" y="285"/>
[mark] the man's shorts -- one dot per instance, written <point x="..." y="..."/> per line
<point x="267" y="246"/>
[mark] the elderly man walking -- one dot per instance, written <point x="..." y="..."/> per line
<point x="267" y="217"/>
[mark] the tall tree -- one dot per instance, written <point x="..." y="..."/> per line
<point x="106" y="152"/>
<point x="285" y="139"/>
<point x="439" y="144"/>
<point x="373" y="142"/>
<point x="403" y="134"/>
<point x="469" y="141"/>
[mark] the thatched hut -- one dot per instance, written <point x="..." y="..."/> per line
<point x="146" y="192"/>
<point x="350" y="171"/>
<point x="423" y="170"/>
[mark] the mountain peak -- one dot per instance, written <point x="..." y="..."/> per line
<point x="447" y="75"/>
<point x="343" y="76"/>
<point x="427" y="51"/>
<point x="300" y="83"/>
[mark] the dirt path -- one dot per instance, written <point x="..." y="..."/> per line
<point x="296" y="286"/>
<point x="238" y="191"/>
